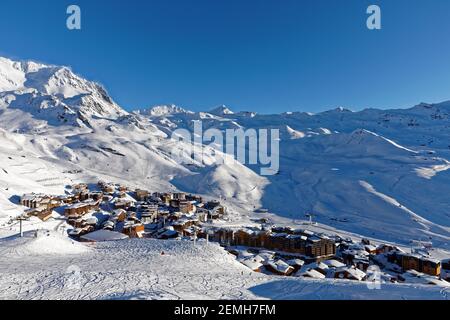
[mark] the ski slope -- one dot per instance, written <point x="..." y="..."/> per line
<point x="137" y="269"/>
<point x="380" y="174"/>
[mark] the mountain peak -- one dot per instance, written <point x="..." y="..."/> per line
<point x="221" y="111"/>
<point x="57" y="88"/>
<point x="163" y="110"/>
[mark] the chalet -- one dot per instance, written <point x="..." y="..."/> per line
<point x="361" y="263"/>
<point x="174" y="216"/>
<point x="223" y="236"/>
<point x="320" y="246"/>
<point x="320" y="267"/>
<point x="279" y="267"/>
<point x="166" y="197"/>
<point x="313" y="246"/>
<point x="131" y="216"/>
<point x="101" y="183"/>
<point x="352" y="254"/>
<point x="216" y="210"/>
<point x="149" y="213"/>
<point x="243" y="237"/>
<point x="78" y="232"/>
<point x="350" y="273"/>
<point x="188" y="232"/>
<point x="76" y="222"/>
<point x="119" y="215"/>
<point x="333" y="263"/>
<point x="174" y="203"/>
<point x="123" y="204"/>
<point x="286" y="230"/>
<point x="167" y="233"/>
<point x="420" y="263"/>
<point x="312" y="273"/>
<point x="179" y="196"/>
<point x="81" y="208"/>
<point x="394" y="257"/>
<point x="184" y="223"/>
<point x="80" y="187"/>
<point x="42" y="213"/>
<point x="67" y="199"/>
<point x="34" y="201"/>
<point x="83" y="195"/>
<point x="142" y="195"/>
<point x="278" y="241"/>
<point x="431" y="266"/>
<point x="296" y="264"/>
<point x="186" y="206"/>
<point x="212" y="204"/>
<point x="108" y="188"/>
<point x="202" y="214"/>
<point x="164" y="213"/>
<point x="96" y="196"/>
<point x="45" y="215"/>
<point x="134" y="230"/>
<point x="252" y="263"/>
<point x="195" y="198"/>
<point x="385" y="248"/>
<point x="370" y="249"/>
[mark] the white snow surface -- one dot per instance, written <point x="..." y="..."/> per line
<point x="381" y="174"/>
<point x="137" y="269"/>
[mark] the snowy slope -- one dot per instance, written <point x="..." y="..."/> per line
<point x="137" y="269"/>
<point x="380" y="173"/>
<point x="383" y="174"/>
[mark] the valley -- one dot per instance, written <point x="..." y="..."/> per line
<point x="381" y="175"/>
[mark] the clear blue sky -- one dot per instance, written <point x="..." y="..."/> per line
<point x="268" y="56"/>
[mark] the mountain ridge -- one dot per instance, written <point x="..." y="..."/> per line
<point x="344" y="166"/>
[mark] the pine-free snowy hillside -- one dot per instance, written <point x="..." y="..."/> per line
<point x="381" y="173"/>
<point x="56" y="126"/>
<point x="51" y="93"/>
<point x="378" y="173"/>
<point x="136" y="269"/>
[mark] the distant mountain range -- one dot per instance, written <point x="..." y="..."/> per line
<point x="380" y="173"/>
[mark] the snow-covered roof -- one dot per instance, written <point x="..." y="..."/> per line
<point x="334" y="263"/>
<point x="280" y="266"/>
<point x="104" y="235"/>
<point x="77" y="205"/>
<point x="296" y="262"/>
<point x="370" y="247"/>
<point x="313" y="274"/>
<point x="353" y="272"/>
<point x="251" y="263"/>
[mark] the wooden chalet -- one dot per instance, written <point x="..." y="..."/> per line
<point x="81" y="208"/>
<point x="142" y="195"/>
<point x="420" y="263"/>
<point x="186" y="206"/>
<point x="134" y="230"/>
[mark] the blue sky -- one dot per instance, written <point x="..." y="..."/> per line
<point x="262" y="55"/>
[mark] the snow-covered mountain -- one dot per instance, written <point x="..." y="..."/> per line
<point x="378" y="173"/>
<point x="54" y="94"/>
